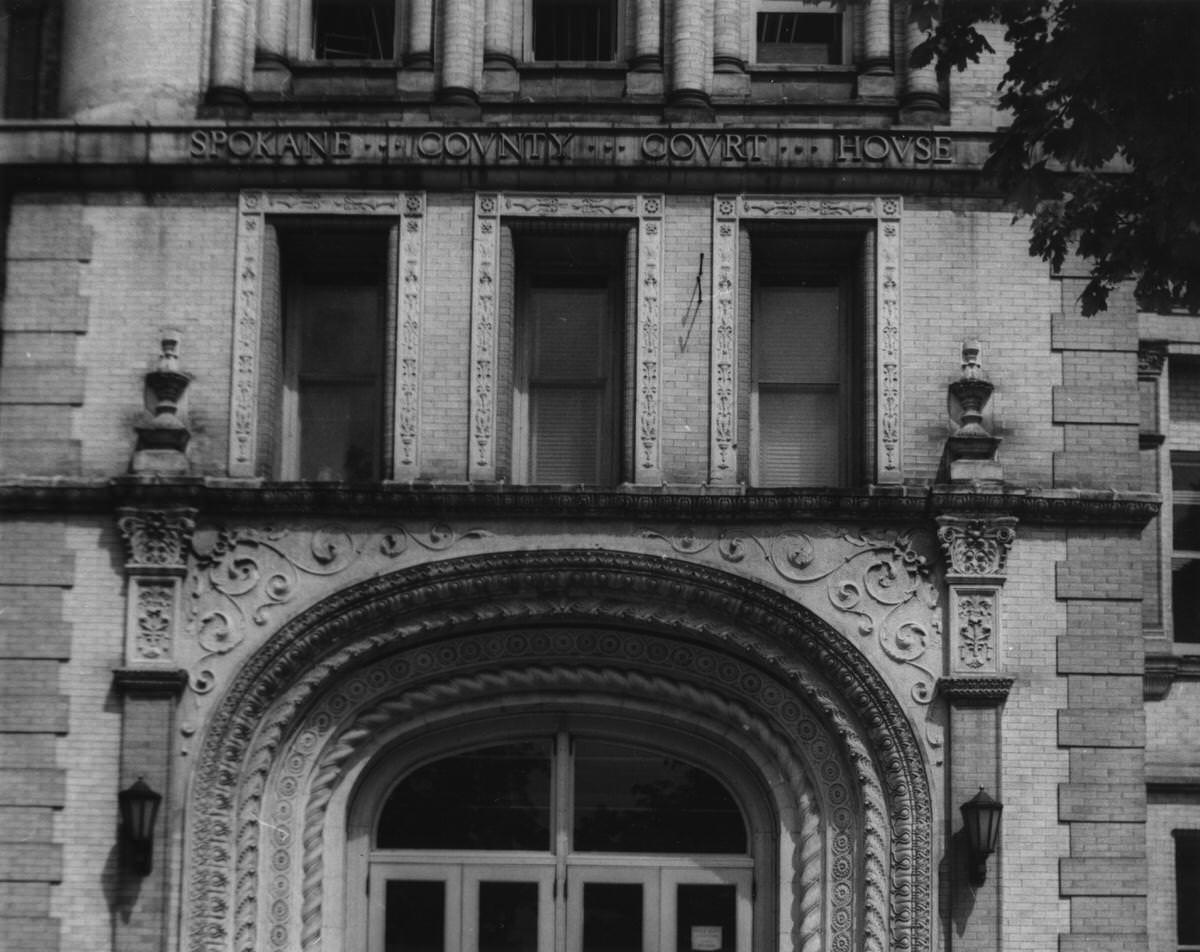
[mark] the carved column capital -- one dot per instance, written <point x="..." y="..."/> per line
<point x="1152" y="355"/>
<point x="976" y="547"/>
<point x="156" y="540"/>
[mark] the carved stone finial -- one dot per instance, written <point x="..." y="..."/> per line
<point x="162" y="440"/>
<point x="157" y="539"/>
<point x="971" y="450"/>
<point x="976" y="547"/>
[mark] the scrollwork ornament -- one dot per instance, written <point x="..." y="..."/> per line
<point x="155" y="611"/>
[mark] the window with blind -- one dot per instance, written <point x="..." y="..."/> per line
<point x="804" y="353"/>
<point x="569" y="330"/>
<point x="1185" y="556"/>
<point x="335" y="326"/>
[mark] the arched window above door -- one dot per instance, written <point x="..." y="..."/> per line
<point x="619" y="798"/>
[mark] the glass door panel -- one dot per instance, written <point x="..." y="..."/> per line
<point x="419" y="912"/>
<point x="706" y="910"/>
<point x="508" y="909"/>
<point x="612" y="910"/>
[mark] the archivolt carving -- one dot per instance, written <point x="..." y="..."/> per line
<point x="323" y="744"/>
<point x="882" y="580"/>
<point x="484" y="593"/>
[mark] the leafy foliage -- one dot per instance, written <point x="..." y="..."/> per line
<point x="1103" y="150"/>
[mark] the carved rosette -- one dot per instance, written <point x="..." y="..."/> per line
<point x="490" y="211"/>
<point x="157" y="542"/>
<point x="976" y="550"/>
<point x="254" y="210"/>
<point x="886" y="213"/>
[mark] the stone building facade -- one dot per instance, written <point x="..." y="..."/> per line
<point x="569" y="475"/>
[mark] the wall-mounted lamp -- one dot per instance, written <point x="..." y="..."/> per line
<point x="139" y="809"/>
<point x="981" y="819"/>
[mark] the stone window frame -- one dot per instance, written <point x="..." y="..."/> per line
<point x="254" y="208"/>
<point x="645" y="212"/>
<point x="728" y="213"/>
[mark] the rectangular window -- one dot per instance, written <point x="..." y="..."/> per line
<point x="335" y="331"/>
<point x="354" y="29"/>
<point x="803" y="398"/>
<point x="1185" y="559"/>
<point x="567" y="392"/>
<point x="572" y="31"/>
<point x="1187" y="889"/>
<point x="799" y="34"/>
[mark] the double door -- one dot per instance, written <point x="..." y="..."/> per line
<point x="533" y="904"/>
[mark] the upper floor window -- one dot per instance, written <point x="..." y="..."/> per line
<point x="574" y="31"/>
<point x="334" y="335"/>
<point x="792" y="33"/>
<point x="569" y="357"/>
<point x="354" y="29"/>
<point x="1185" y="557"/>
<point x="803" y="402"/>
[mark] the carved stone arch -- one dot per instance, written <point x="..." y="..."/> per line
<point x="800" y="663"/>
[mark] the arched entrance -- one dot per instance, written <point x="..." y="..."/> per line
<point x="639" y="652"/>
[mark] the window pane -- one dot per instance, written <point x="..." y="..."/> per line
<point x="1185" y="599"/>
<point x="339" y="431"/>
<point x="706" y="919"/>
<point x="354" y="29"/>
<point x="571" y="332"/>
<point x="496" y="798"/>
<point x="798" y="438"/>
<point x="415" y="918"/>
<point x="567" y="430"/>
<point x="1187" y="886"/>
<point x="800" y="38"/>
<point x="341" y="330"/>
<point x="612" y="917"/>
<point x="508" y="917"/>
<point x="796" y="335"/>
<point x="636" y="801"/>
<point x="574" y="30"/>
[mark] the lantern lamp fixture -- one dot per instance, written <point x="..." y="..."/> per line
<point x="981" y="822"/>
<point x="139" y="809"/>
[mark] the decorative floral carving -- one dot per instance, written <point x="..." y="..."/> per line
<point x="723" y="452"/>
<point x="976" y="613"/>
<point x="408" y="343"/>
<point x="155" y="620"/>
<point x="484" y="340"/>
<point x="156" y="538"/>
<point x="275" y="687"/>
<point x="881" y="580"/>
<point x="976" y="547"/>
<point x="649" y="347"/>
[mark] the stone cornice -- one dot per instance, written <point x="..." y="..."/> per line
<point x="975" y="691"/>
<point x="871" y="504"/>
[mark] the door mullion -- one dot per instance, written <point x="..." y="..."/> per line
<point x="562" y="835"/>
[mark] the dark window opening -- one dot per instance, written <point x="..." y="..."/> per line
<point x="1185" y="562"/>
<point x="334" y="346"/>
<point x="574" y="30"/>
<point x="1187" y="888"/>
<point x="30" y="34"/>
<point x="799" y="38"/>
<point x="354" y="29"/>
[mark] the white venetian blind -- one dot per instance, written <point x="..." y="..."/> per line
<point x="797" y="381"/>
<point x="570" y="385"/>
